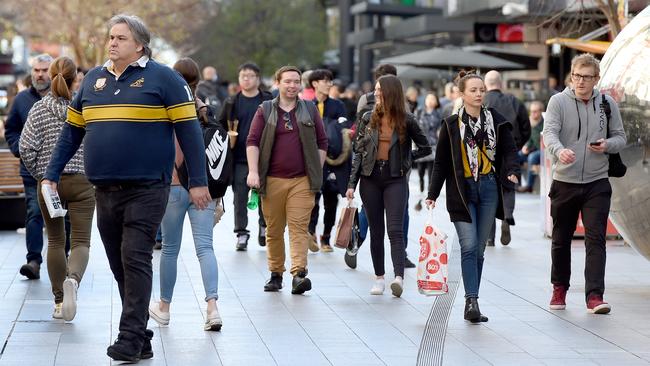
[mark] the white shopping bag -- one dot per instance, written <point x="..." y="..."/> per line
<point x="52" y="201"/>
<point x="433" y="261"/>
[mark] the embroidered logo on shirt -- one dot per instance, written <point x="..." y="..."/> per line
<point x="100" y="84"/>
<point x="138" y="83"/>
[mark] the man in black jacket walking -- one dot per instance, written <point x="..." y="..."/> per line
<point x="237" y="115"/>
<point x="515" y="113"/>
<point x="13" y="128"/>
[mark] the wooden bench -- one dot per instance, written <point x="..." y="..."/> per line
<point x="10" y="180"/>
<point x="12" y="192"/>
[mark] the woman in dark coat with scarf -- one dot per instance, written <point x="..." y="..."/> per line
<point x="477" y="157"/>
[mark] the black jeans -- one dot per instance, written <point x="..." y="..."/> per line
<point x="568" y="200"/>
<point x="330" y="201"/>
<point x="380" y="192"/>
<point x="240" y="198"/>
<point x="128" y="219"/>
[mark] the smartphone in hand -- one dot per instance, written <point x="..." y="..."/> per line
<point x="595" y="143"/>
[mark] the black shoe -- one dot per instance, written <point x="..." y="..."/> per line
<point x="274" y="284"/>
<point x="261" y="236"/>
<point x="242" y="242"/>
<point x="300" y="283"/>
<point x="158" y="245"/>
<point x="31" y="270"/>
<point x="472" y="311"/>
<point x="350" y="259"/>
<point x="418" y="206"/>
<point x="125" y="349"/>
<point x="489" y="243"/>
<point x="408" y="263"/>
<point x="505" y="233"/>
<point x="147" y="350"/>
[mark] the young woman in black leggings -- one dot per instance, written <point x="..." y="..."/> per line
<point x="382" y="160"/>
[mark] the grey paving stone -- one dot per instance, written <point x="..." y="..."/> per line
<point x="338" y="322"/>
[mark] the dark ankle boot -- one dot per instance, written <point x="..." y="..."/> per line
<point x="472" y="312"/>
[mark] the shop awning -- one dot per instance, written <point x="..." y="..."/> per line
<point x="452" y="58"/>
<point x="599" y="47"/>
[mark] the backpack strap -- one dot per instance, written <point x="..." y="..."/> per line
<point x="608" y="110"/>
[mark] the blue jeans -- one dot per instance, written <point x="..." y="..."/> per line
<point x="172" y="231"/>
<point x="482" y="200"/>
<point x="33" y="221"/>
<point x="533" y="159"/>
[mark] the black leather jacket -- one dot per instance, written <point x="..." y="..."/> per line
<point x="400" y="155"/>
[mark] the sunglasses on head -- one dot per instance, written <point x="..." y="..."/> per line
<point x="287" y="121"/>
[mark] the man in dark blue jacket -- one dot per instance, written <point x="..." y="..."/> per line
<point x="336" y="170"/>
<point x="127" y="113"/>
<point x="13" y="128"/>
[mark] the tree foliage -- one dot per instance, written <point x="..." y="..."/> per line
<point x="269" y="33"/>
<point x="81" y="24"/>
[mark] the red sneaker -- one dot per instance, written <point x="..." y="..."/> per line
<point x="558" y="301"/>
<point x="596" y="305"/>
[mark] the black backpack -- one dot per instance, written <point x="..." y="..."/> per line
<point x="616" y="166"/>
<point x="218" y="158"/>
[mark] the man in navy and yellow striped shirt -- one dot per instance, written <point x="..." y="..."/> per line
<point x="127" y="113"/>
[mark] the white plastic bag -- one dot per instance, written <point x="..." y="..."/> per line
<point x="52" y="201"/>
<point x="433" y="261"/>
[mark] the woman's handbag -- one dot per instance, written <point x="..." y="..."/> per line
<point x="344" y="227"/>
<point x="433" y="261"/>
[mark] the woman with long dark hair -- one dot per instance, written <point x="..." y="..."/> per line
<point x="382" y="159"/>
<point x="475" y="155"/>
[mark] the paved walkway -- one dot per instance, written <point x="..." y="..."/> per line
<point x="338" y="322"/>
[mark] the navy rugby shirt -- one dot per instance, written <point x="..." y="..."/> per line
<point x="128" y="124"/>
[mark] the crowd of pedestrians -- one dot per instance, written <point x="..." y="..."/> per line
<point x="128" y="140"/>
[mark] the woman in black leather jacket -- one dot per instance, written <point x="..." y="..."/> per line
<point x="382" y="159"/>
<point x="475" y="156"/>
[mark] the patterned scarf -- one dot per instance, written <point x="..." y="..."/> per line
<point x="474" y="135"/>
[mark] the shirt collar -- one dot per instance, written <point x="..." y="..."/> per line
<point x="142" y="62"/>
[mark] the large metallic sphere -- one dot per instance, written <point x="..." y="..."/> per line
<point x="625" y="75"/>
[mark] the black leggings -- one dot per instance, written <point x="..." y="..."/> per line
<point x="380" y="192"/>
<point x="423" y="167"/>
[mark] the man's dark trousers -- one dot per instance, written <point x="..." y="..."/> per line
<point x="240" y="199"/>
<point x="567" y="201"/>
<point x="128" y="218"/>
<point x="33" y="221"/>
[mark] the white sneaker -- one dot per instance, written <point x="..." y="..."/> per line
<point x="57" y="311"/>
<point x="161" y="317"/>
<point x="213" y="321"/>
<point x="69" y="308"/>
<point x="379" y="287"/>
<point x="397" y="286"/>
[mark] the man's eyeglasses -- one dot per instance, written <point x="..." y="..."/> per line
<point x="578" y="77"/>
<point x="287" y="121"/>
<point x="247" y="76"/>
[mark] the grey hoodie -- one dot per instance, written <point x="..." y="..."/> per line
<point x="570" y="123"/>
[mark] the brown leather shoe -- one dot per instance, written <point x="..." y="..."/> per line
<point x="31" y="270"/>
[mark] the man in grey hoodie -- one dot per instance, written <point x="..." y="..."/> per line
<point x="578" y="134"/>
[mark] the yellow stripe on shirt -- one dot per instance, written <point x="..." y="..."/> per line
<point x="182" y="112"/>
<point x="75" y="118"/>
<point x="125" y="112"/>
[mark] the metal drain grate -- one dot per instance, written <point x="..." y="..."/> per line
<point x="433" y="339"/>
